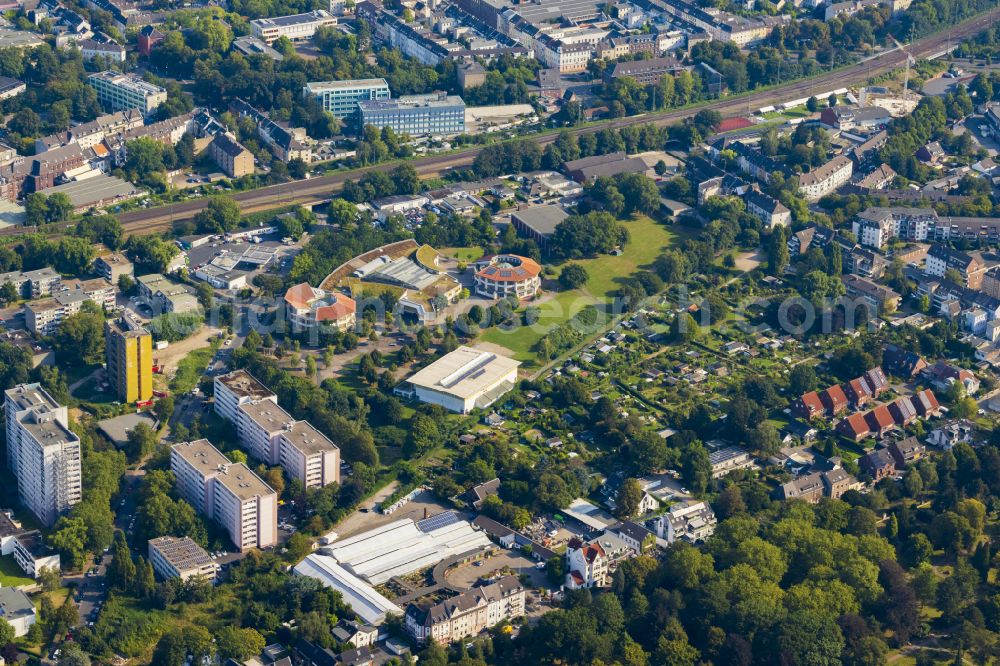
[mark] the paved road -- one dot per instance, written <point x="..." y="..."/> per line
<point x="320" y="188"/>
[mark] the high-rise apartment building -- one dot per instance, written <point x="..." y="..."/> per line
<point x="228" y="493"/>
<point x="129" y="351"/>
<point x="42" y="452"/>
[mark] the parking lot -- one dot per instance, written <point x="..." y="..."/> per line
<point x="467" y="575"/>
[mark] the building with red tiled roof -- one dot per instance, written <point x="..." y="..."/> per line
<point x="880" y="420"/>
<point x="509" y="275"/>
<point x="809" y="405"/>
<point x="857" y="392"/>
<point x="309" y="307"/>
<point x="854" y="427"/>
<point x="835" y="400"/>
<point x="876" y="381"/>
<point x="588" y="564"/>
<point x="926" y="403"/>
<point x="730" y="124"/>
<point x="902" y="411"/>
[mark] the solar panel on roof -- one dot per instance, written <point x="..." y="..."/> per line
<point x="438" y="521"/>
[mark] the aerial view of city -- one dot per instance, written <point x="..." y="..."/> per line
<point x="500" y="332"/>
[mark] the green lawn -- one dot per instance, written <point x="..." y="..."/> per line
<point x="191" y="368"/>
<point x="466" y="254"/>
<point x="88" y="392"/>
<point x="11" y="575"/>
<point x="647" y="239"/>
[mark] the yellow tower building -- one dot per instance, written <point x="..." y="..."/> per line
<point x="129" y="349"/>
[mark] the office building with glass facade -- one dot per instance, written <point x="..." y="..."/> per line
<point x="341" y="97"/>
<point x="416" y="115"/>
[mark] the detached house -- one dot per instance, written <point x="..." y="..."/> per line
<point x="907" y="451"/>
<point x="879" y="464"/>
<point x="587" y="563"/>
<point x="902" y="363"/>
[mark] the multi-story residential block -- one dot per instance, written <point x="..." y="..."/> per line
<point x="238" y="388"/>
<point x="341" y="97"/>
<point x="258" y="426"/>
<point x="941" y="258"/>
<point x="129" y="351"/>
<point x="163" y="295"/>
<point x="875" y="227"/>
<point x="471" y="75"/>
<point x="308" y="455"/>
<point x="181" y="557"/>
<point x="766" y="208"/>
<point x="117" y="92"/>
<point x="226" y="492"/>
<point x="645" y="72"/>
<point x="113" y="266"/>
<point x="690" y="521"/>
<point x="33" y="284"/>
<point x="93" y="48"/>
<point x="230" y="155"/>
<point x="879" y="297"/>
<point x="88" y="135"/>
<point x="44" y="316"/>
<point x="31" y="553"/>
<point x="17" y="610"/>
<point x="42" y="452"/>
<point x="295" y="27"/>
<point x="468" y="613"/>
<point x="415" y="115"/>
<point x="826" y="178"/>
<point x="309" y="308"/>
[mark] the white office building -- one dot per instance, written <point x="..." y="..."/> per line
<point x="235" y="389"/>
<point x="119" y="92"/>
<point x="341" y="97"/>
<point x="296" y="27"/>
<point x="226" y="492"/>
<point x="42" y="452"/>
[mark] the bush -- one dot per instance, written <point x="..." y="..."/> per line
<point x="173" y="326"/>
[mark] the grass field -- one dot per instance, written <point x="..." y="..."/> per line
<point x="192" y="367"/>
<point x="11" y="574"/>
<point x="466" y="254"/>
<point x="647" y="239"/>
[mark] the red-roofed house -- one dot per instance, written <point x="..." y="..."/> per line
<point x="926" y="404"/>
<point x="854" y="427"/>
<point x="902" y="411"/>
<point x="857" y="392"/>
<point x="880" y="420"/>
<point x="309" y="307"/>
<point x="876" y="381"/>
<point x="587" y="563"/>
<point x="809" y="405"/>
<point x="835" y="400"/>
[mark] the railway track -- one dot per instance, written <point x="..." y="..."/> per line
<point x="304" y="192"/>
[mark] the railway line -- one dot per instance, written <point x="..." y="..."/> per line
<point x="320" y="188"/>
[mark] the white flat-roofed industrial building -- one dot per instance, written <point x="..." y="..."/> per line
<point x="341" y="97"/>
<point x="43" y="453"/>
<point x="181" y="557"/>
<point x="308" y="455"/>
<point x="364" y="600"/>
<point x="295" y="27"/>
<point x="402" y="547"/>
<point x="465" y="379"/>
<point x="229" y="493"/>
<point x="416" y="115"/>
<point x="237" y="388"/>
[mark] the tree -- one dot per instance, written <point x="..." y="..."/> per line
<point x="802" y="379"/>
<point x="573" y="276"/>
<point x="164" y="408"/>
<point x="80" y="338"/>
<point x="628" y="499"/>
<point x="222" y="214"/>
<point x="141" y="442"/>
<point x="777" y="253"/>
<point x="238" y="643"/>
<point x="73" y="655"/>
<point x="812" y="104"/>
<point x="6" y="632"/>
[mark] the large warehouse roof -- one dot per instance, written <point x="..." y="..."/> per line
<point x="367" y="603"/>
<point x="400" y="548"/>
<point x="464" y="372"/>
